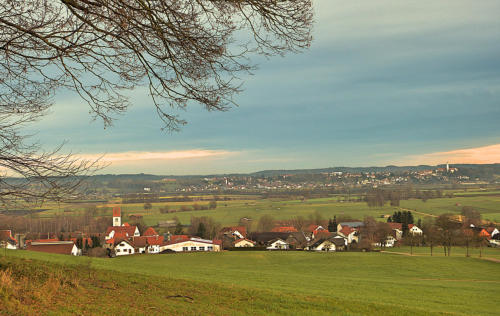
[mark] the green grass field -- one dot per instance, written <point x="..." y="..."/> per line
<point x="229" y="212"/>
<point x="297" y="283"/>
<point x="487" y="252"/>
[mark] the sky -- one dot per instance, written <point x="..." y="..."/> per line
<point x="384" y="83"/>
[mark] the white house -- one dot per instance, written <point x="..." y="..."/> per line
<point x="414" y="230"/>
<point x="243" y="243"/>
<point x="191" y="244"/>
<point x="389" y="242"/>
<point x="278" y="244"/>
<point x="351" y="234"/>
<point x="124" y="248"/>
<point x="322" y="245"/>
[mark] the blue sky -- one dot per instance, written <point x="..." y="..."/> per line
<point x="384" y="82"/>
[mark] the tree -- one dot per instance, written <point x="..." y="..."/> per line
<point x="430" y="234"/>
<point x="201" y="231"/>
<point x="178" y="229"/>
<point x="448" y="230"/>
<point x="183" y="52"/>
<point x="266" y="223"/>
<point x="212" y="205"/>
<point x="382" y="231"/>
<point x="299" y="222"/>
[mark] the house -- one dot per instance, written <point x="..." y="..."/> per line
<point x="414" y="230"/>
<point x="398" y="230"/>
<point x="235" y="231"/>
<point x="297" y="240"/>
<point x="278" y="244"/>
<point x="244" y="243"/>
<point x="390" y="241"/>
<point x="328" y="244"/>
<point x="124" y="247"/>
<point x="122" y="231"/>
<point x="315" y="229"/>
<point x="191" y="244"/>
<point x="353" y="224"/>
<point x="350" y="233"/>
<point x="59" y="247"/>
<point x="6" y="240"/>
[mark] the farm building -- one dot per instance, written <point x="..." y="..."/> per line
<point x="59" y="247"/>
<point x="191" y="244"/>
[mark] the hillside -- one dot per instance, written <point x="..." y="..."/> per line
<point x="251" y="283"/>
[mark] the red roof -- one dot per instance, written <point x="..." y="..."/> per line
<point x="121" y="230"/>
<point x="346" y="230"/>
<point x="284" y="229"/>
<point x="396" y="226"/>
<point x="117" y="211"/>
<point x="60" y="248"/>
<point x="484" y="233"/>
<point x="315" y="228"/>
<point x="150" y="232"/>
<point x="157" y="240"/>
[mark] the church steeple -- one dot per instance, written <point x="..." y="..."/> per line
<point x="117" y="216"/>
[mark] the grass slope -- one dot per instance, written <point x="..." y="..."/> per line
<point x="298" y="283"/>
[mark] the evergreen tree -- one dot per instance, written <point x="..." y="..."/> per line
<point x="330" y="225"/>
<point x="202" y="230"/>
<point x="335" y="223"/>
<point x="410" y="218"/>
<point x="389" y="220"/>
<point x="419" y="223"/>
<point x="405" y="229"/>
<point x="178" y="229"/>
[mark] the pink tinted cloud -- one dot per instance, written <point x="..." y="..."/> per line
<point x="478" y="155"/>
<point x="141" y="156"/>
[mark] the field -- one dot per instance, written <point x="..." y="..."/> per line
<point x="293" y="283"/>
<point x="229" y="212"/>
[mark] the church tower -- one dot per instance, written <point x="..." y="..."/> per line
<point x="117" y="216"/>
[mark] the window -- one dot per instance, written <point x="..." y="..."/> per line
<point x="117" y="250"/>
<point x="202" y="248"/>
<point x="210" y="248"/>
<point x="185" y="248"/>
<point x="193" y="248"/>
<point x="130" y="251"/>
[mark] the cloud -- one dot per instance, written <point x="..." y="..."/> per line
<point x="142" y="156"/>
<point x="478" y="155"/>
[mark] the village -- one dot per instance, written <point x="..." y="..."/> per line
<point x="123" y="239"/>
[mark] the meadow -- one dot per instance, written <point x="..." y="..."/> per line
<point x="295" y="283"/>
<point x="229" y="212"/>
